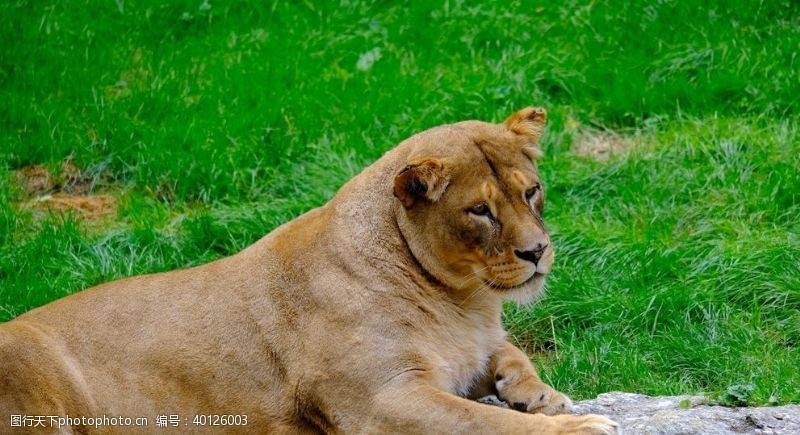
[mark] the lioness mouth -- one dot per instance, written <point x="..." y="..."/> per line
<point x="497" y="286"/>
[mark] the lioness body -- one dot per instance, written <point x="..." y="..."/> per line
<point x="329" y="323"/>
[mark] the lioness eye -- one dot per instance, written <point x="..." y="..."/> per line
<point x="481" y="210"/>
<point x="532" y="191"/>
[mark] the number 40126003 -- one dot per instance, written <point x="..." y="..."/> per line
<point x="220" y="420"/>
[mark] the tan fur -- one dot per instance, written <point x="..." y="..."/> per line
<point x="378" y="312"/>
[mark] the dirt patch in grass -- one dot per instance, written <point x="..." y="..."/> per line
<point x="89" y="207"/>
<point x="65" y="190"/>
<point x="35" y="179"/>
<point x="39" y="180"/>
<point x="600" y="145"/>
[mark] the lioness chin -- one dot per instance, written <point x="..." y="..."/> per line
<point x="378" y="312"/>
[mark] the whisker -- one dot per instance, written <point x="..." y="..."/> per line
<point x="482" y="287"/>
<point x="473" y="274"/>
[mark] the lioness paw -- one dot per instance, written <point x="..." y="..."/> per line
<point x="533" y="396"/>
<point x="549" y="402"/>
<point x="586" y="425"/>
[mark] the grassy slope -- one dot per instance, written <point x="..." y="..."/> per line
<point x="677" y="263"/>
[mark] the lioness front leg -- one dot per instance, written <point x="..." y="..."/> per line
<point x="422" y="408"/>
<point x="517" y="383"/>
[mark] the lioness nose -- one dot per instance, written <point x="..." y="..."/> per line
<point x="533" y="255"/>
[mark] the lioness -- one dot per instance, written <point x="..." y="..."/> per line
<point x="378" y="312"/>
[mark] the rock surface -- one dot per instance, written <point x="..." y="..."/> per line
<point x="686" y="415"/>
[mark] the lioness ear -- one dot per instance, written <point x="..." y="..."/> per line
<point x="528" y="122"/>
<point x="423" y="179"/>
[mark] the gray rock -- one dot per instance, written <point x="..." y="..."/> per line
<point x="638" y="414"/>
<point x="493" y="400"/>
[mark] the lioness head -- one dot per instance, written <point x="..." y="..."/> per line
<point x="471" y="205"/>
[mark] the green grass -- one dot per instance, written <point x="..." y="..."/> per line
<point x="214" y="122"/>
